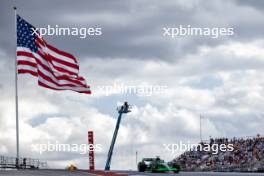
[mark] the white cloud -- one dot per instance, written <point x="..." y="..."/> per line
<point x="167" y="118"/>
<point x="222" y="82"/>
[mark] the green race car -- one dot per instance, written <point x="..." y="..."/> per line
<point x="156" y="165"/>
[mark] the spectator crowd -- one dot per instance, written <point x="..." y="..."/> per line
<point x="247" y="155"/>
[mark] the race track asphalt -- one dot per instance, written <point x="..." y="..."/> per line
<point x="51" y="172"/>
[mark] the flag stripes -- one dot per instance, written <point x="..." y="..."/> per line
<point x="34" y="64"/>
<point x="55" y="69"/>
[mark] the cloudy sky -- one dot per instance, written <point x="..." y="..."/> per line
<point x="221" y="78"/>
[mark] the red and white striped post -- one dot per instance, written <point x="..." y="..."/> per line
<point x="91" y="150"/>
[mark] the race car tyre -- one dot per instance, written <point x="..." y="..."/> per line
<point x="142" y="167"/>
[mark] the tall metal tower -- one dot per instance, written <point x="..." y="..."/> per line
<point x="122" y="109"/>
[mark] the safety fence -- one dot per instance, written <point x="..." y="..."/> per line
<point x="21" y="163"/>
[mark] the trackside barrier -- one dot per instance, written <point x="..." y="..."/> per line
<point x="23" y="163"/>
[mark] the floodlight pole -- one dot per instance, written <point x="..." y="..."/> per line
<point x="201" y="128"/>
<point x="123" y="109"/>
<point x="136" y="157"/>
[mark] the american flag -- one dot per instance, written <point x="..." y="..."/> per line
<point x="55" y="69"/>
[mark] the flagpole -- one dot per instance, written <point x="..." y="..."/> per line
<point x="17" y="120"/>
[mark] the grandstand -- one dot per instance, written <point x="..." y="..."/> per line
<point x="247" y="156"/>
